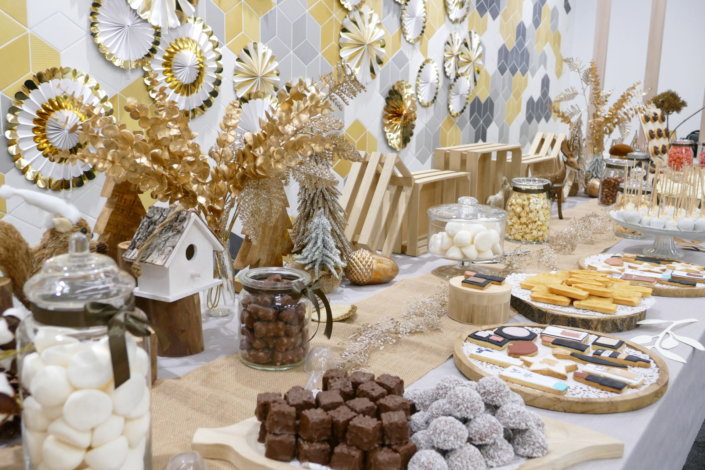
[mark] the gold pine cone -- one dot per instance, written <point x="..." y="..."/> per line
<point x="365" y="267"/>
<point x="593" y="187"/>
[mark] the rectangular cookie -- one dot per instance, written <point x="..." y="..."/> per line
<point x="585" y="359"/>
<point x="497" y="280"/>
<point x="533" y="380"/>
<point x="549" y="298"/>
<point x="608" y="343"/>
<point x="476" y="282"/>
<point x="552" y="342"/>
<point x="565" y="333"/>
<point x="626" y="298"/>
<point x="596" y="304"/>
<point x="567" y="291"/>
<point x="598" y="291"/>
<point x="490" y="356"/>
<point x="487" y="339"/>
<point x="630" y="378"/>
<point x="603" y="383"/>
<point x="622" y="358"/>
<point x="678" y="282"/>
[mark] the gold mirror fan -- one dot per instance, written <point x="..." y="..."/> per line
<point x="399" y="116"/>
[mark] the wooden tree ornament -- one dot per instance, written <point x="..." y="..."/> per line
<point x="121" y="215"/>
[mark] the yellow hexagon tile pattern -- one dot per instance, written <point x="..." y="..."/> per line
<point x="43" y="55"/>
<point x="514" y="103"/>
<point x="9" y="28"/>
<point x="477" y="23"/>
<point x="450" y="133"/>
<point x="435" y="18"/>
<point x="508" y="19"/>
<point x="556" y="46"/>
<point x="543" y="32"/>
<point x="482" y="87"/>
<point x="16" y="9"/>
<point x="15" y="57"/>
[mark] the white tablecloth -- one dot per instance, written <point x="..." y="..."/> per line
<point x="657" y="437"/>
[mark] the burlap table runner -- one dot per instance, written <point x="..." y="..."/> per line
<point x="224" y="391"/>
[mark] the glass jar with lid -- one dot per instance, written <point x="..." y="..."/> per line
<point x="466" y="232"/>
<point x="680" y="154"/>
<point x="614" y="175"/>
<point x="529" y="210"/>
<point x="84" y="366"/>
<point x="274" y="318"/>
<point x="641" y="160"/>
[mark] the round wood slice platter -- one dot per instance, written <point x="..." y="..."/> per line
<point x="568" y="445"/>
<point x="658" y="290"/>
<point x="617" y="403"/>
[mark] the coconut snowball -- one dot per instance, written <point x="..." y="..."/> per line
<point x="422" y="398"/>
<point x="439" y="408"/>
<point x="484" y="429"/>
<point x="467" y="457"/>
<point x="493" y="390"/>
<point x="422" y="439"/>
<point x="428" y="460"/>
<point x="498" y="453"/>
<point x="465" y="403"/>
<point x="515" y="416"/>
<point x="419" y="421"/>
<point x="447" y="433"/>
<point x="446" y="384"/>
<point x="530" y="443"/>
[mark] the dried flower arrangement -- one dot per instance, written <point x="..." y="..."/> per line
<point x="602" y="120"/>
<point x="669" y="102"/>
<point x="244" y="174"/>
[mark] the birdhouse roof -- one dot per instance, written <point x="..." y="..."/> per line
<point x="161" y="249"/>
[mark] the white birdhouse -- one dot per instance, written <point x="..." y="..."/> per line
<point x="178" y="262"/>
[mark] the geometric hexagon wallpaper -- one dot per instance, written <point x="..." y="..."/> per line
<point x="523" y="67"/>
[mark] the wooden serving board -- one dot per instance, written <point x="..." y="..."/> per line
<point x="660" y="291"/>
<point x="614" y="404"/>
<point x="568" y="445"/>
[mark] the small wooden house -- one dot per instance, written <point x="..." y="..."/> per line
<point x="179" y="261"/>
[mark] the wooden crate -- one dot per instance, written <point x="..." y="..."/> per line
<point x="376" y="197"/>
<point x="487" y="164"/>
<point x="430" y="188"/>
<point x="543" y="155"/>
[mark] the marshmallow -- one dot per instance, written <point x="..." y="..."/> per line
<point x="60" y="355"/>
<point x="463" y="238"/>
<point x="141" y="363"/>
<point x="57" y="455"/>
<point x="129" y="394"/>
<point x="5" y="386"/>
<point x="30" y="365"/>
<point x="453" y="253"/>
<point x="446" y="241"/>
<point x="686" y="225"/>
<point x="658" y="223"/>
<point x="497" y="249"/>
<point x="434" y="243"/>
<point x="453" y="227"/>
<point x="109" y="430"/>
<point x="469" y="253"/>
<point x="136" y="429"/>
<point x="90" y="368"/>
<point x="33" y="415"/>
<point x="53" y="412"/>
<point x="134" y="460"/>
<point x="671" y="225"/>
<point x="485" y="255"/>
<point x="495" y="235"/>
<point x="50" y="386"/>
<point x="33" y="443"/>
<point x="86" y="409"/>
<point x="50" y="336"/>
<point x="109" y="456"/>
<point x="5" y="334"/>
<point x="484" y="241"/>
<point x="65" y="433"/>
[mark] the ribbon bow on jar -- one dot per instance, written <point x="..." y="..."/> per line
<point x="311" y="292"/>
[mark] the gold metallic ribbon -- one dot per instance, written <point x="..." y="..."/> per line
<point x="119" y="321"/>
<point x="312" y="291"/>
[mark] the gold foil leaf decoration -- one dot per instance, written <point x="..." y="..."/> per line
<point x="399" y="116"/>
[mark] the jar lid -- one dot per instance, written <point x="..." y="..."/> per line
<point x="531" y="185"/>
<point x="619" y="163"/>
<point x="683" y="142"/>
<point x="466" y="212"/>
<point x="257" y="278"/>
<point x="638" y="156"/>
<point x="69" y="281"/>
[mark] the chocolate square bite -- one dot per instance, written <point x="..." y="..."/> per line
<point x="362" y="406"/>
<point x="262" y="432"/>
<point x="316" y="452"/>
<point x="263" y="402"/>
<point x="364" y="432"/>
<point x="332" y="374"/>
<point x="371" y="390"/>
<point x="329" y="400"/>
<point x="359" y="377"/>
<point x="395" y="403"/>
<point x="340" y="418"/>
<point x="300" y="398"/>
<point x="347" y="457"/>
<point x="383" y="458"/>
<point x="395" y="427"/>
<point x="280" y="447"/>
<point x="391" y="383"/>
<point x="281" y="419"/>
<point x="343" y="385"/>
<point x="315" y="425"/>
<point x="405" y="451"/>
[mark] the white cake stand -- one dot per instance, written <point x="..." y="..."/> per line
<point x="664" y="244"/>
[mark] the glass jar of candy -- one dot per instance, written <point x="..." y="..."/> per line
<point x="274" y="317"/>
<point x="615" y="172"/>
<point x="84" y="366"/>
<point x="529" y="210"/>
<point x="641" y="160"/>
<point x="680" y="154"/>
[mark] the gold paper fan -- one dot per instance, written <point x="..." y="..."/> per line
<point x="454" y="47"/>
<point x="351" y="5"/>
<point x="164" y="13"/>
<point x="427" y="83"/>
<point x="459" y="95"/>
<point x="457" y="10"/>
<point x="399" y="115"/>
<point x="413" y="19"/>
<point x="124" y="38"/>
<point x="362" y="42"/>
<point x="472" y="56"/>
<point x="44" y="123"/>
<point x="188" y="64"/>
<point x="256" y="71"/>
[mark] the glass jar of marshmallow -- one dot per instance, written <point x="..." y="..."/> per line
<point x="84" y="366"/>
<point x="466" y="232"/>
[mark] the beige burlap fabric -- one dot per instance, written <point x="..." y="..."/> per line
<point x="224" y="391"/>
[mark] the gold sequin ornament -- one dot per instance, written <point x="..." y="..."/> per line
<point x="365" y="267"/>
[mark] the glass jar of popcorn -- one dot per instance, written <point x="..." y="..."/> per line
<point x="274" y="317"/>
<point x="84" y="366"/>
<point x="466" y="232"/>
<point x="529" y="210"/>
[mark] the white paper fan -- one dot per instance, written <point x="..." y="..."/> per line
<point x="163" y="13"/>
<point x="459" y="95"/>
<point x="256" y="71"/>
<point x="427" y="83"/>
<point x="362" y="42"/>
<point x="413" y="19"/>
<point x="252" y="112"/>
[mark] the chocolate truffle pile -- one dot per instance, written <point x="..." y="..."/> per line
<point x="274" y="327"/>
<point x="356" y="423"/>
<point x="463" y="425"/>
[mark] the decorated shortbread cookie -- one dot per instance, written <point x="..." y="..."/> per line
<point x="565" y="333"/>
<point x="603" y="383"/>
<point x="585" y="359"/>
<point x="489" y="355"/>
<point x="564" y="343"/>
<point x="549" y="365"/>
<point x="515" y="333"/>
<point x="608" y="343"/>
<point x="630" y="378"/>
<point x="621" y="358"/>
<point x="527" y="378"/>
<point x="488" y="339"/>
<point x="522" y="348"/>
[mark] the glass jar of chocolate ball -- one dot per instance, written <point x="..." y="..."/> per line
<point x="529" y="210"/>
<point x="615" y="172"/>
<point x="274" y="318"/>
